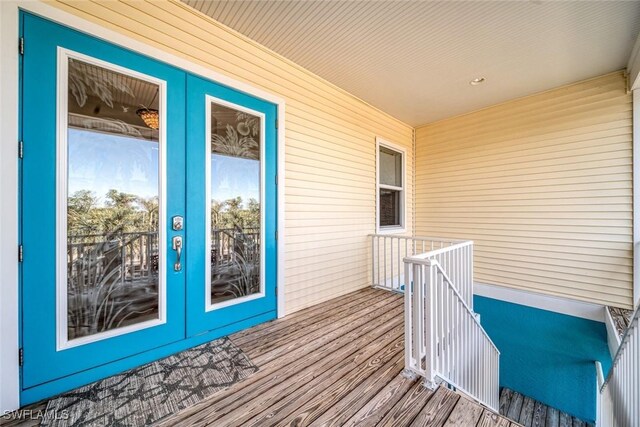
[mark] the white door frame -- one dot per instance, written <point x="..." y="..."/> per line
<point x="9" y="98"/>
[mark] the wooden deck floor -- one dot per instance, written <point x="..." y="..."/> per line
<point x="532" y="413"/>
<point x="335" y="364"/>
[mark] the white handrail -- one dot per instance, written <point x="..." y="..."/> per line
<point x="389" y="250"/>
<point x="443" y="338"/>
<point x="619" y="394"/>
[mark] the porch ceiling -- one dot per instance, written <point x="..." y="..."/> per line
<point x="415" y="59"/>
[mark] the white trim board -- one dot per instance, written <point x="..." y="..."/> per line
<point x="585" y="310"/>
<point x="9" y="86"/>
<point x="9" y="372"/>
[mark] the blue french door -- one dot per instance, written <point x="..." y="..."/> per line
<point x="148" y="207"/>
<point x="231" y="198"/>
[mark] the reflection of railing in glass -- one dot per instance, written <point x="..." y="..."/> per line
<point x="112" y="281"/>
<point x="235" y="263"/>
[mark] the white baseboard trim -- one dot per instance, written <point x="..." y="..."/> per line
<point x="567" y="306"/>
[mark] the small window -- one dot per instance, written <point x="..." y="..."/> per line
<point x="390" y="187"/>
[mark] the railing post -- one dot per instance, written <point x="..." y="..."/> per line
<point x="408" y="327"/>
<point x="429" y="336"/>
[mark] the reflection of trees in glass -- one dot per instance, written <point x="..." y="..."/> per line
<point x="232" y="213"/>
<point x="121" y="212"/>
<point x="235" y="248"/>
<point x="112" y="261"/>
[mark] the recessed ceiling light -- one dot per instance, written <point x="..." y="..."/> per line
<point x="476" y="82"/>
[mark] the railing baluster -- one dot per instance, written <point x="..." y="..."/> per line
<point x="378" y="264"/>
<point x="399" y="263"/>
<point x="373" y="260"/>
<point x="384" y="251"/>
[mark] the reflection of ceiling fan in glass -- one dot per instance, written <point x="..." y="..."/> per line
<point x="150" y="116"/>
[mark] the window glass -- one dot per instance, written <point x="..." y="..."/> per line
<point x="113" y="190"/>
<point x="235" y="203"/>
<point x="390" y="167"/>
<point x="389" y="208"/>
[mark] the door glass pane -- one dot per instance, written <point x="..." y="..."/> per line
<point x="234" y="203"/>
<point x="112" y="200"/>
<point x="390" y="167"/>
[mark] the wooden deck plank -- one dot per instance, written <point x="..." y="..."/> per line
<point x="565" y="420"/>
<point x="505" y="400"/>
<point x="348" y="406"/>
<point x="553" y="417"/>
<point x="331" y="350"/>
<point x="376" y="409"/>
<point x="308" y="407"/>
<point x="437" y="409"/>
<point x="466" y="413"/>
<point x="279" y="407"/>
<point x="407" y="408"/>
<point x="254" y="402"/>
<point x="515" y="407"/>
<point x="301" y="329"/>
<point x="491" y="419"/>
<point x="539" y="415"/>
<point x="526" y="414"/>
<point x="307" y="312"/>
<point x="269" y="352"/>
<point x="578" y="423"/>
<point x="283" y="329"/>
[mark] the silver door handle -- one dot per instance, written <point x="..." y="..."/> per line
<point x="177" y="246"/>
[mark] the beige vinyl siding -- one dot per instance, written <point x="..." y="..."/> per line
<point x="330" y="141"/>
<point x="543" y="185"/>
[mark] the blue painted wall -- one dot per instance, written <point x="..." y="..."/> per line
<point x="545" y="355"/>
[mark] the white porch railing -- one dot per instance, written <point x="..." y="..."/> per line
<point x="443" y="337"/>
<point x="618" y="401"/>
<point x="388" y="252"/>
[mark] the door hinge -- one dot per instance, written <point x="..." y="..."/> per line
<point x="276" y="123"/>
<point x="20" y="357"/>
<point x="276" y="234"/>
<point x="276" y="291"/>
<point x="21" y="45"/>
<point x="20" y="149"/>
<point x="276" y="179"/>
<point x="19" y="253"/>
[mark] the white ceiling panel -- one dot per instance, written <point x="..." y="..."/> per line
<point x="414" y="59"/>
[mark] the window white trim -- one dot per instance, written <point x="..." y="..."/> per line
<point x="62" y="340"/>
<point x="403" y="189"/>
<point x="9" y="318"/>
<point x="209" y="100"/>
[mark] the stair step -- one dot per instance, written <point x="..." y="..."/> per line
<point x="531" y="413"/>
